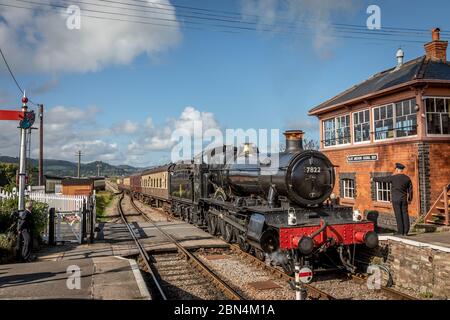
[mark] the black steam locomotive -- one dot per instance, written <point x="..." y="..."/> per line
<point x="279" y="211"/>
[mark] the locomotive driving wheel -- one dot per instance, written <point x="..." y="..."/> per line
<point x="243" y="245"/>
<point x="212" y="224"/>
<point x="227" y="233"/>
<point x="260" y="255"/>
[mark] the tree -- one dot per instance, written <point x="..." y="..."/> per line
<point x="8" y="175"/>
<point x="310" y="144"/>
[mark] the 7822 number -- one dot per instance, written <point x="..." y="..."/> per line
<point x="312" y="169"/>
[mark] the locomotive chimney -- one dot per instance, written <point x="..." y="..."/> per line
<point x="294" y="140"/>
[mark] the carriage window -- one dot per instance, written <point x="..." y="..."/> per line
<point x="361" y="126"/>
<point x="438" y="113"/>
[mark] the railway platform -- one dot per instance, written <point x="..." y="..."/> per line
<point x="418" y="262"/>
<point x="94" y="278"/>
<point x="105" y="272"/>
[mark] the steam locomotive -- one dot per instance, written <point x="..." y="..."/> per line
<point x="279" y="211"/>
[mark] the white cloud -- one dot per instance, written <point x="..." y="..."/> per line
<point x="315" y="15"/>
<point x="126" y="127"/>
<point x="306" y="123"/>
<point x="160" y="138"/>
<point x="69" y="129"/>
<point x="66" y="130"/>
<point x="41" y="38"/>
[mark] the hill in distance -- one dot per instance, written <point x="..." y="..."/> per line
<point x="66" y="168"/>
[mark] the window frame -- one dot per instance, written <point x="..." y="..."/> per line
<point x="373" y="122"/>
<point x="394" y="121"/>
<point x="346" y="188"/>
<point x="353" y="127"/>
<point x="378" y="189"/>
<point x="440" y="113"/>
<point x="350" y="126"/>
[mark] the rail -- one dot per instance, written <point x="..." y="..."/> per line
<point x="194" y="261"/>
<point x="141" y="249"/>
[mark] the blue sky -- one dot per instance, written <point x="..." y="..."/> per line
<point x="246" y="80"/>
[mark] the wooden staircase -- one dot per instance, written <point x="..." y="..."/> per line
<point x="439" y="211"/>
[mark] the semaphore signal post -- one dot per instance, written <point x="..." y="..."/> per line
<point x="26" y="121"/>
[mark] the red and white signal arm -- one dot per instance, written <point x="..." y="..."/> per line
<point x="305" y="275"/>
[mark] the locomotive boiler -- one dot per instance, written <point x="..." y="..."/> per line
<point x="300" y="177"/>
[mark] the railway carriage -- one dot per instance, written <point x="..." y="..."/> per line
<point x="155" y="186"/>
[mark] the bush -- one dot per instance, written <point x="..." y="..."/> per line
<point x="102" y="200"/>
<point x="8" y="216"/>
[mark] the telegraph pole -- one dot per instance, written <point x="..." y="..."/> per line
<point x="22" y="160"/>
<point x="79" y="163"/>
<point x="98" y="169"/>
<point x="41" y="144"/>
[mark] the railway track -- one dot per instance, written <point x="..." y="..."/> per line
<point x="314" y="293"/>
<point x="143" y="254"/>
<point x="194" y="262"/>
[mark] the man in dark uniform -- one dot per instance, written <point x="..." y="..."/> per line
<point x="24" y="227"/>
<point x="401" y="194"/>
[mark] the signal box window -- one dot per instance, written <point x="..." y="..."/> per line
<point x="438" y="113"/>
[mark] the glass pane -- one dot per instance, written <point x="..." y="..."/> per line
<point x="389" y="111"/>
<point x="447" y="105"/>
<point x="429" y="104"/>
<point x="366" y="115"/>
<point x="411" y="105"/>
<point x="445" y="123"/>
<point x="377" y="114"/>
<point x="366" y="132"/>
<point x="355" y="118"/>
<point x="347" y="135"/>
<point x="383" y="112"/>
<point x="357" y="133"/>
<point x="389" y="123"/>
<point x="440" y="105"/>
<point x="434" y="123"/>
<point x="398" y="109"/>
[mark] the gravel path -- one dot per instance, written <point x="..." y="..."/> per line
<point x="343" y="288"/>
<point x="181" y="282"/>
<point x="156" y="214"/>
<point x="239" y="274"/>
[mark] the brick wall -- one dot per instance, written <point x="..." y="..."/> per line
<point x="388" y="155"/>
<point x="439" y="168"/>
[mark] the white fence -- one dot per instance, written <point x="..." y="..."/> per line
<point x="61" y="203"/>
<point x="68" y="210"/>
